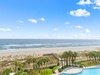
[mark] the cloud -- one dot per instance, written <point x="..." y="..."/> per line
<point x="79" y="27"/>
<point x="55" y="29"/>
<point x="32" y="20"/>
<point x="80" y="13"/>
<point x="42" y="35"/>
<point x="87" y="30"/>
<point x="67" y="23"/>
<point x="83" y="35"/>
<point x="97" y="4"/>
<point x="75" y="35"/>
<point x="95" y="7"/>
<point x="42" y="19"/>
<point x="17" y="27"/>
<point x="84" y="2"/>
<point x="39" y="36"/>
<point x="21" y="21"/>
<point x="5" y="29"/>
<point x="61" y="36"/>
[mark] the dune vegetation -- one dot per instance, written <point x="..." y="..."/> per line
<point x="48" y="64"/>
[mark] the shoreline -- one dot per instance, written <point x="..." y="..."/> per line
<point x="41" y="51"/>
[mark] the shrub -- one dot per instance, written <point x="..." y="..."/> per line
<point x="49" y="71"/>
<point x="59" y="70"/>
<point x="46" y="72"/>
<point x="63" y="67"/>
<point x="35" y="72"/>
<point x="54" y="68"/>
<point x="81" y="66"/>
<point x="7" y="71"/>
<point x="26" y="70"/>
<point x="51" y="67"/>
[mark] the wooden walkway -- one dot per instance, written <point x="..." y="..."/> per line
<point x="54" y="55"/>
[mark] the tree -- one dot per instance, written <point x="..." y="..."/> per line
<point x="46" y="60"/>
<point x="70" y="57"/>
<point x="65" y="57"/>
<point x="74" y="57"/>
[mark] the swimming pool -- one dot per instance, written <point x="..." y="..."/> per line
<point x="89" y="71"/>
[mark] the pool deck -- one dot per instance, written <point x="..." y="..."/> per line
<point x="69" y="70"/>
<point x="72" y="70"/>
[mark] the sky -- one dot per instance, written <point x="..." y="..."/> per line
<point x="50" y="19"/>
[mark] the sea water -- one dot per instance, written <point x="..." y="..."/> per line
<point x="6" y="44"/>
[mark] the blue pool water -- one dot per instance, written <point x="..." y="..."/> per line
<point x="90" y="71"/>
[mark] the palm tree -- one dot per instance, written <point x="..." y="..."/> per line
<point x="46" y="61"/>
<point x="39" y="63"/>
<point x="86" y="54"/>
<point x="62" y="57"/>
<point x="74" y="57"/>
<point x="99" y="56"/>
<point x="90" y="54"/>
<point x="29" y="61"/>
<point x="95" y="55"/>
<point x="70" y="56"/>
<point x="65" y="56"/>
<point x="33" y="60"/>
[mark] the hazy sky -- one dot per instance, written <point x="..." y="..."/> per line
<point x="50" y="19"/>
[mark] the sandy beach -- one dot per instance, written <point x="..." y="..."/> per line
<point x="41" y="51"/>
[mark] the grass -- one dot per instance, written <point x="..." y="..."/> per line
<point x="89" y="63"/>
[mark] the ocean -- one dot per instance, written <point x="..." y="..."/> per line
<point x="6" y="44"/>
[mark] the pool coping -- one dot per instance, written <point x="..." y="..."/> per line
<point x="97" y="66"/>
<point x="80" y="70"/>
